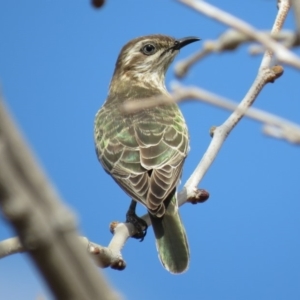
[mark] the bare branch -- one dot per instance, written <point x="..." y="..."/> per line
<point x="109" y="256"/>
<point x="273" y="125"/>
<point x="221" y="132"/>
<point x="287" y="38"/>
<point x="229" y="41"/>
<point x="46" y="228"/>
<point x="283" y="54"/>
<point x="296" y="9"/>
<point x="103" y="256"/>
<point x="10" y="246"/>
<point x="283" y="9"/>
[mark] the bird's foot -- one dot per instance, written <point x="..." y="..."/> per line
<point x="139" y="224"/>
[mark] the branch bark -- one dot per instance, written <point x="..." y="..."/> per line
<point x="281" y="52"/>
<point x="230" y="40"/>
<point x="296" y="8"/>
<point x="46" y="228"/>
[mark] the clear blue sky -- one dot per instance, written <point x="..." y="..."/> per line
<point x="56" y="61"/>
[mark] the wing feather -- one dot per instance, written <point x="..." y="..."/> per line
<point x="143" y="152"/>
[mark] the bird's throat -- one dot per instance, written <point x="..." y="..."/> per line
<point x="128" y="82"/>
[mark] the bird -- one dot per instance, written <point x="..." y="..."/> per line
<point x="144" y="151"/>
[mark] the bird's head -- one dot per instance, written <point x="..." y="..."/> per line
<point x="144" y="61"/>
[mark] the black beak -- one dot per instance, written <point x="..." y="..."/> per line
<point x="184" y="41"/>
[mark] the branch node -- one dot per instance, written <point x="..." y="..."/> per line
<point x="212" y="130"/>
<point x="118" y="264"/>
<point x="113" y="225"/>
<point x="273" y="73"/>
<point x="199" y="196"/>
<point x="278" y="70"/>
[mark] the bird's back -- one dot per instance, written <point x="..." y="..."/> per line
<point x="133" y="146"/>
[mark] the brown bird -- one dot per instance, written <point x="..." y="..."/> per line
<point x="144" y="151"/>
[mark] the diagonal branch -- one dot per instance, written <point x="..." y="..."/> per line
<point x="283" y="9"/>
<point x="46" y="228"/>
<point x="221" y="132"/>
<point x="274" y="126"/>
<point x="281" y="52"/>
<point x="230" y="40"/>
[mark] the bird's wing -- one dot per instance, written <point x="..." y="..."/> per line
<point x="143" y="153"/>
<point x="119" y="153"/>
<point x="163" y="141"/>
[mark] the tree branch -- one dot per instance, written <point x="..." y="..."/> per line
<point x="274" y="126"/>
<point x="111" y="255"/>
<point x="221" y="132"/>
<point x="283" y="9"/>
<point x="46" y="228"/>
<point x="296" y="9"/>
<point x="230" y="40"/>
<point x="281" y="52"/>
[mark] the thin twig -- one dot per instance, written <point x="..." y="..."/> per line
<point x="281" y="52"/>
<point x="230" y="40"/>
<point x="221" y="132"/>
<point x="283" y="9"/>
<point x="10" y="246"/>
<point x="274" y="126"/>
<point x="296" y="9"/>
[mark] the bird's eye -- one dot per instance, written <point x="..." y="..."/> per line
<point x="148" y="49"/>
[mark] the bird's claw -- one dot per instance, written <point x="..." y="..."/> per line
<point x="139" y="224"/>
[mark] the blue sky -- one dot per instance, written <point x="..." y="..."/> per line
<point x="56" y="61"/>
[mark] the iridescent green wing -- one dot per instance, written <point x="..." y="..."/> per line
<point x="163" y="140"/>
<point x="143" y="152"/>
<point x="119" y="152"/>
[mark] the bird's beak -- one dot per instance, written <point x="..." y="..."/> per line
<point x="184" y="41"/>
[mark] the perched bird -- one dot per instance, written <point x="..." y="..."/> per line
<point x="144" y="151"/>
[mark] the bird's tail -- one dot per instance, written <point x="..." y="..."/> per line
<point x="171" y="240"/>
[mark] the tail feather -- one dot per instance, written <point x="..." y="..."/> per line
<point x="171" y="240"/>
